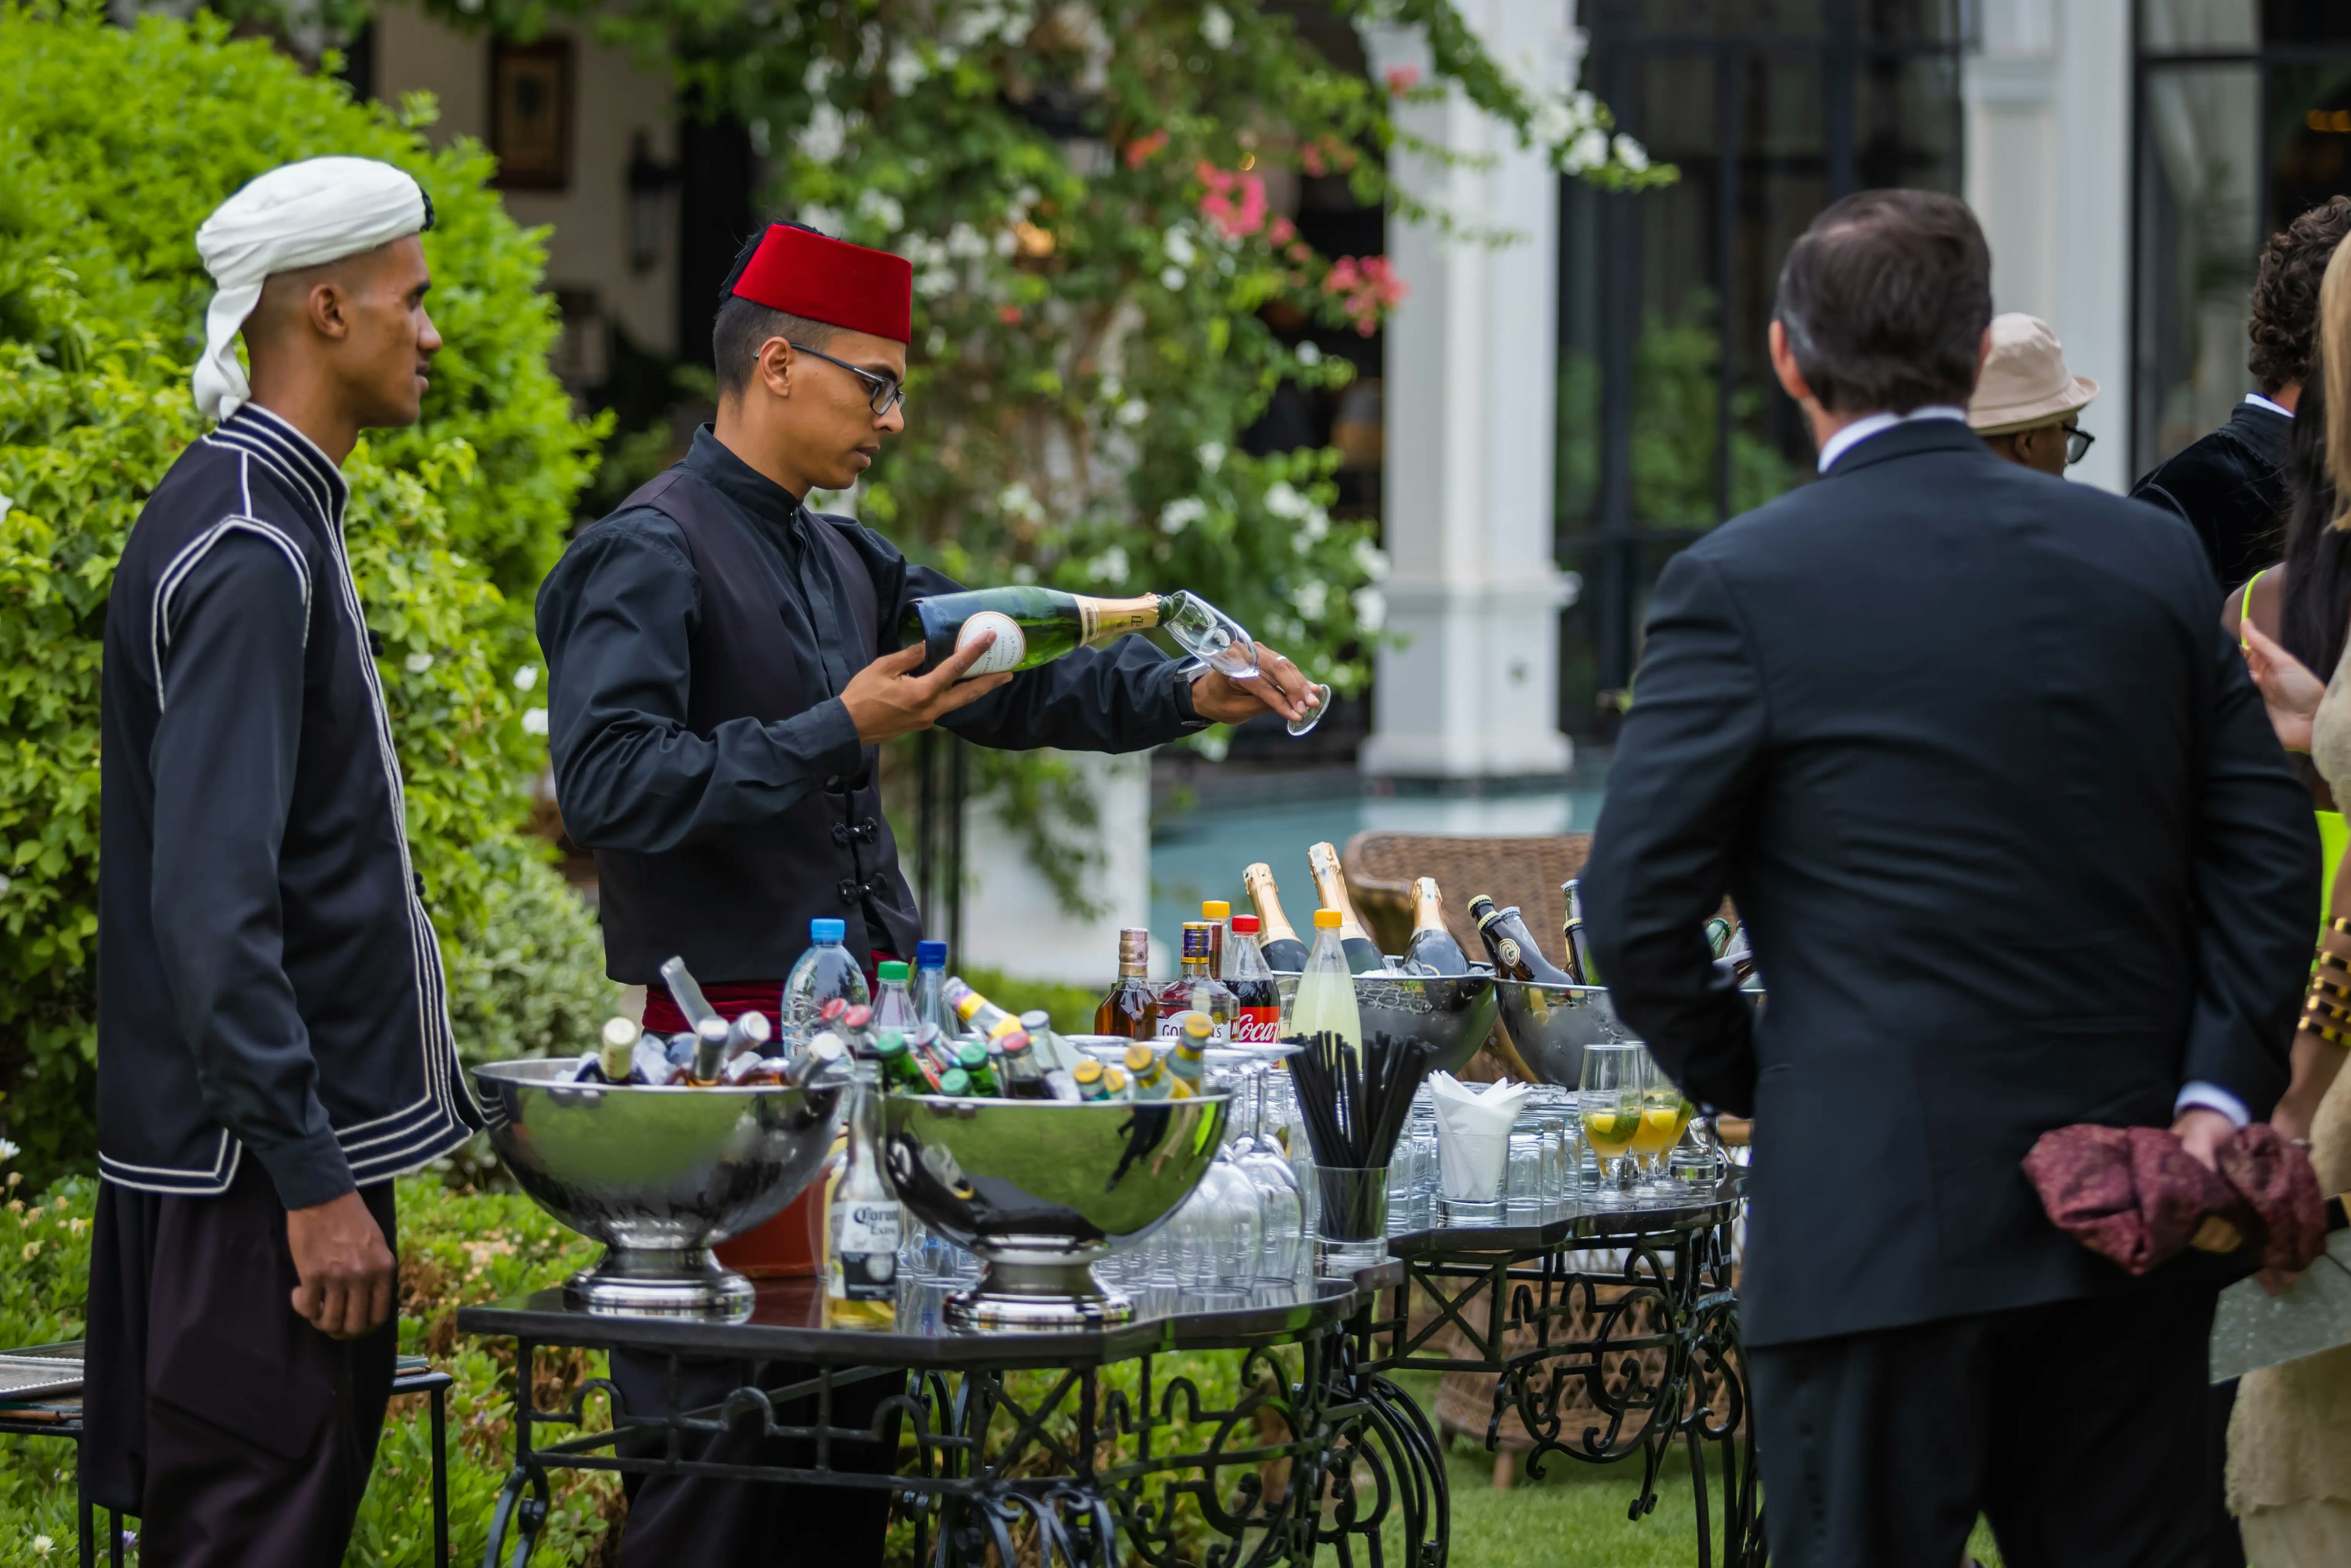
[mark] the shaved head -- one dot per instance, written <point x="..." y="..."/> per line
<point x="353" y="331"/>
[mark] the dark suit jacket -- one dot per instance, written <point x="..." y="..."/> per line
<point x="2014" y="841"/>
<point x="2230" y="486"/>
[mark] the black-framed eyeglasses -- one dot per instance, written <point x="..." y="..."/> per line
<point x="2077" y="444"/>
<point x="882" y="393"/>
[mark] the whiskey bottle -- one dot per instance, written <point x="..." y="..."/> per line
<point x="1131" y="1008"/>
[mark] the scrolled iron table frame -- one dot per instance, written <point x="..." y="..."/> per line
<point x="971" y="1492"/>
<point x="1538" y="1280"/>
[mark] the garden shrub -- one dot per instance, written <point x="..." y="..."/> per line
<point x="117" y="142"/>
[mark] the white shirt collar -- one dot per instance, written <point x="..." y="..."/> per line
<point x="2257" y="401"/>
<point x="1869" y="424"/>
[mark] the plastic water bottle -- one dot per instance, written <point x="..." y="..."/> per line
<point x="930" y="980"/>
<point x="893" y="1008"/>
<point x="825" y="971"/>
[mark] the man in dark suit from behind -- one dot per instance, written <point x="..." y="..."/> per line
<point x="2229" y="484"/>
<point x="2017" y="850"/>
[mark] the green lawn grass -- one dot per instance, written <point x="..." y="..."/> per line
<point x="1574" y="1515"/>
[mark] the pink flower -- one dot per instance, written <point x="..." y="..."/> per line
<point x="1233" y="218"/>
<point x="1280" y="232"/>
<point x="1008" y="314"/>
<point x="1402" y="79"/>
<point x="1139" y="150"/>
<point x="1309" y="157"/>
<point x="1366" y="288"/>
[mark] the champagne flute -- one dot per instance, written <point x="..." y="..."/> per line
<point x="1615" y="1075"/>
<point x="1219" y="641"/>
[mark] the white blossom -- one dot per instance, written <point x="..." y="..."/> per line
<point x="1588" y="150"/>
<point x="1023" y="573"/>
<point x="1177" y="243"/>
<point x="1015" y="499"/>
<point x="7" y="1150"/>
<point x="534" y="721"/>
<point x="42" y="1544"/>
<point x="1173" y="279"/>
<point x="907" y="68"/>
<point x="1003" y="241"/>
<point x="1110" y="388"/>
<point x="4" y="504"/>
<point x="965" y="243"/>
<point x="875" y="207"/>
<point x="1181" y="513"/>
<point x="824" y="135"/>
<point x="1111" y="566"/>
<point x="1134" y="412"/>
<point x="1550" y="122"/>
<point x="1216" y="29"/>
<point x="1631" y="154"/>
<point x="1316" y="526"/>
<point x="823" y="219"/>
<point x="1371" y="608"/>
<point x="1311" y="597"/>
<point x="5" y="883"/>
<point x="934" y="341"/>
<point x="418" y="663"/>
<point x="1309" y="352"/>
<point x="1211" y="454"/>
<point x="1370" y="560"/>
<point x="1285" y="500"/>
<point x="525" y="677"/>
<point x="934" y="281"/>
<point x="1212" y="744"/>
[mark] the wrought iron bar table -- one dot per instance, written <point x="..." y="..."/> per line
<point x="1077" y="1458"/>
<point x="1658" y="1358"/>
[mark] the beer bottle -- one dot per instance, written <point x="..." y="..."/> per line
<point x="1145" y="1072"/>
<point x="1513" y="946"/>
<point x="1432" y="950"/>
<point x="954" y="1084"/>
<point x="1116" y="1086"/>
<point x="863" y="1221"/>
<point x="1277" y="938"/>
<point x="1363" y="955"/>
<point x="972" y="1057"/>
<point x="1578" y="944"/>
<point x="1088" y="1076"/>
<point x="1131" y="1008"/>
<point x="897" y="1064"/>
<point x="1021" y="1075"/>
<point x="1187" y="1063"/>
<point x="979" y="1015"/>
<point x="1196" y="989"/>
<point x="1219" y="914"/>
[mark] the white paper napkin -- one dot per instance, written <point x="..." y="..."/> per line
<point x="1473" y="1135"/>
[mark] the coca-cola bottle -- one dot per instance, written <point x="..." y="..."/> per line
<point x="1257" y="1001"/>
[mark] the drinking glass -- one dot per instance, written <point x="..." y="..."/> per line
<point x="1522" y="1173"/>
<point x="1218" y="641"/>
<point x="1281" y="1203"/>
<point x="1615" y="1076"/>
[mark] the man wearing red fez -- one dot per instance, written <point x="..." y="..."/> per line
<point x="723" y="663"/>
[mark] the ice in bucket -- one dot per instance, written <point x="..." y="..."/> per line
<point x="1473" y="1143"/>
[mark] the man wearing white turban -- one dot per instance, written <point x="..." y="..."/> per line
<point x="272" y="985"/>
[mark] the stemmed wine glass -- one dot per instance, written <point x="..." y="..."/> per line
<point x="1218" y="641"/>
<point x="1615" y="1081"/>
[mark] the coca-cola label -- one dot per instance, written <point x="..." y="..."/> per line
<point x="1256" y="1026"/>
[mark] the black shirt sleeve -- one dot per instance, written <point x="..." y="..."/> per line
<point x="224" y="761"/>
<point x="616" y="620"/>
<point x="1122" y="696"/>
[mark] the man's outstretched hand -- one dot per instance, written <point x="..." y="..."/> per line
<point x="1280" y="687"/>
<point x="886" y="699"/>
<point x="344" y="1264"/>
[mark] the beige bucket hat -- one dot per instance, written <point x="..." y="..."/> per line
<point x="2024" y="381"/>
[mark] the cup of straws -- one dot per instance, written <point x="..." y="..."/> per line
<point x="1354" y="1101"/>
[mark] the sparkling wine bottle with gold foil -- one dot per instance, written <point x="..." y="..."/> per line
<point x="1432" y="950"/>
<point x="1363" y="955"/>
<point x="1277" y="938"/>
<point x="1032" y="626"/>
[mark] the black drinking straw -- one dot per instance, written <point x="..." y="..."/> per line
<point x="1355" y="1102"/>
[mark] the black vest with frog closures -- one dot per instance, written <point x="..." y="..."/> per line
<point x="738" y="908"/>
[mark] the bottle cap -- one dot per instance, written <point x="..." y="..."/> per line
<point x="1197" y="939"/>
<point x="833" y="1008"/>
<point x="1326" y="920"/>
<point x="1113" y="1080"/>
<point x="890" y="972"/>
<point x="856" y="1015"/>
<point x="1036" y="1020"/>
<point x="971" y="1054"/>
<point x="1215" y="909"/>
<point x="827" y="930"/>
<point x="1244" y="924"/>
<point x="889" y="1043"/>
<point x="1198" y="1026"/>
<point x="1140" y="1057"/>
<point x="930" y="954"/>
<point x="1086" y="1071"/>
<point x="621" y="1032"/>
<point x="1014" y="1042"/>
<point x="954" y="1081"/>
<point x="827" y="1047"/>
<point x="1133" y="945"/>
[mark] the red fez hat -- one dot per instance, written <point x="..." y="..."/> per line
<point x="803" y="272"/>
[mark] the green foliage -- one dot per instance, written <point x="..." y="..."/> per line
<point x="1676" y="361"/>
<point x="118" y="141"/>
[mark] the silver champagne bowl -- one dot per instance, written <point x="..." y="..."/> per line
<point x="1039" y="1189"/>
<point x="1453" y="1012"/>
<point x="1548" y="1026"/>
<point x="656" y="1175"/>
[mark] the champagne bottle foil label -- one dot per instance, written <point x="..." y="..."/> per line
<point x="1256" y="1026"/>
<point x="1006" y="652"/>
<point x="1099" y="618"/>
<point x="867" y="1242"/>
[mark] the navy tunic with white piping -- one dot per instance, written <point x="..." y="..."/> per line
<point x="268" y="982"/>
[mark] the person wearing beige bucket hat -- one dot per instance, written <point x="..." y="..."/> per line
<point x="2027" y="403"/>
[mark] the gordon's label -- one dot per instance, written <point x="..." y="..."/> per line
<point x="1006" y="652"/>
<point x="866" y="1252"/>
<point x="1171" y="1027"/>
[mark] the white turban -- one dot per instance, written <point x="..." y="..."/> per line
<point x="297" y="216"/>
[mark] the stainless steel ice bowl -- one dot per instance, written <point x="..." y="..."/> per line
<point x="655" y="1175"/>
<point x="1453" y="1012"/>
<point x="1548" y="1026"/>
<point x="1039" y="1189"/>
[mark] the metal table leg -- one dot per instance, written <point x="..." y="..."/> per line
<point x="440" y="1479"/>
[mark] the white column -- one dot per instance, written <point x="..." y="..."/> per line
<point x="2048" y="173"/>
<point x="1470" y="383"/>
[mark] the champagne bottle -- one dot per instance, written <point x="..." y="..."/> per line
<point x="710" y="1037"/>
<point x="1277" y="938"/>
<point x="1131" y="1008"/>
<point x="1578" y="944"/>
<point x="1513" y="946"/>
<point x="1219" y="914"/>
<point x="863" y="1221"/>
<point x="1363" y="955"/>
<point x="1432" y="950"/>
<point x="1032" y="626"/>
<point x="616" y="1053"/>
